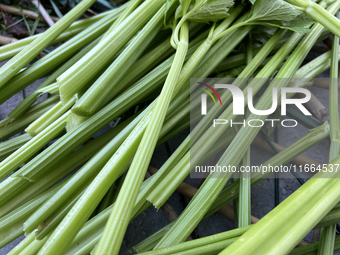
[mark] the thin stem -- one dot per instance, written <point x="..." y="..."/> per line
<point x="96" y="94"/>
<point x="90" y="65"/>
<point x="327" y="237"/>
<point x="121" y="213"/>
<point x="12" y="67"/>
<point x="31" y="147"/>
<point x="9" y="128"/>
<point x="26" y="104"/>
<point x="232" y="156"/>
<point x="43" y="12"/>
<point x="11" y="50"/>
<point x="319" y="14"/>
<point x="244" y="218"/>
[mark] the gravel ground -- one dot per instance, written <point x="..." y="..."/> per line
<point x="262" y="194"/>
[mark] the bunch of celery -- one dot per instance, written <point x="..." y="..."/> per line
<point x="70" y="193"/>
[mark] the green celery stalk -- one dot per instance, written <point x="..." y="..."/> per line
<point x="176" y="130"/>
<point x="10" y="50"/>
<point x="333" y="101"/>
<point x="131" y="6"/>
<point x="11" y="224"/>
<point x="312" y="249"/>
<point x="208" y="249"/>
<point x="161" y="193"/>
<point x="162" y="173"/>
<point x="31" y="98"/>
<point x="52" y="89"/>
<point x="56" y="57"/>
<point x="319" y="14"/>
<point x="315" y="67"/>
<point x="141" y="160"/>
<point x="9" y="128"/>
<point x="327" y="237"/>
<point x="71" y="140"/>
<point x="51" y="222"/>
<point x="93" y="124"/>
<point x="31" y="147"/>
<point x="90" y="169"/>
<point x="14" y="191"/>
<point x="12" y="67"/>
<point x="94" y="96"/>
<point x="47" y="119"/>
<point x="244" y="217"/>
<point x="8" y="147"/>
<point x="34" y="247"/>
<point x="320" y="196"/>
<point x="22" y="245"/>
<point x="88" y="67"/>
<point x="212" y="186"/>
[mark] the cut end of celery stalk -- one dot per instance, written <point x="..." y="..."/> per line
<point x="82" y="111"/>
<point x="74" y="121"/>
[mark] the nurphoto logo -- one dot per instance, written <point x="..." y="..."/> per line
<point x="238" y="101"/>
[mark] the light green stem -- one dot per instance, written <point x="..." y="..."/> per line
<point x="327" y="237"/>
<point x="8" y="147"/>
<point x="232" y="156"/>
<point x="12" y="67"/>
<point x="96" y="94"/>
<point x="90" y="65"/>
<point x="9" y="128"/>
<point x="31" y="147"/>
<point x="49" y="117"/>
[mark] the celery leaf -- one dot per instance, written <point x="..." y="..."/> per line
<point x="273" y="10"/>
<point x="210" y="10"/>
<point x="278" y="13"/>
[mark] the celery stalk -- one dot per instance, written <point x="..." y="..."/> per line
<point x="8" y="147"/>
<point x="306" y="215"/>
<point x="141" y="160"/>
<point x="31" y="147"/>
<point x="212" y="186"/>
<point x="90" y="169"/>
<point x="55" y="58"/>
<point x="12" y="67"/>
<point x="319" y="14"/>
<point x="48" y="118"/>
<point x="31" y="98"/>
<point x="328" y="234"/>
<point x="9" y="128"/>
<point x="11" y="224"/>
<point x="88" y="67"/>
<point x="52" y="89"/>
<point x="22" y="245"/>
<point x="10" y="50"/>
<point x="93" y="97"/>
